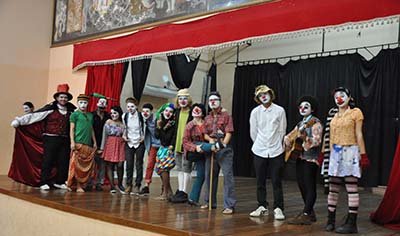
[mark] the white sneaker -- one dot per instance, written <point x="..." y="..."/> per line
<point x="260" y="211"/>
<point x="60" y="186"/>
<point x="44" y="187"/>
<point x="278" y="214"/>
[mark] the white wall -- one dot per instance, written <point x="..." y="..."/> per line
<point x="24" y="63"/>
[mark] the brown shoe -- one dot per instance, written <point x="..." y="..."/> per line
<point x="313" y="217"/>
<point x="128" y="189"/>
<point x="303" y="219"/>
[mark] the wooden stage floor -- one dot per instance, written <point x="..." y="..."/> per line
<point x="147" y="213"/>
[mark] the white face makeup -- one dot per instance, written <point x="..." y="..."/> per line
<point x="26" y="109"/>
<point x="131" y="107"/>
<point x="102" y="103"/>
<point x="196" y="112"/>
<point x="214" y="102"/>
<point x="264" y="98"/>
<point x="114" y="114"/>
<point x="62" y="99"/>
<point x="305" y="109"/>
<point x="146" y="113"/>
<point x="83" y="104"/>
<point x="183" y="101"/>
<point x="341" y="99"/>
<point x="168" y="112"/>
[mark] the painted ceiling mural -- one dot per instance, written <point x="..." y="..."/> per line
<point x="79" y="19"/>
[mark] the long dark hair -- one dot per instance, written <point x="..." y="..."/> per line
<point x="119" y="111"/>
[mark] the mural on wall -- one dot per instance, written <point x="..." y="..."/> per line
<point x="79" y="19"/>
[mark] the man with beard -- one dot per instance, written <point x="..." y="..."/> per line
<point x="55" y="136"/>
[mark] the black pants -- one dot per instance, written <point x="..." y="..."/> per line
<point x="130" y="161"/>
<point x="306" y="179"/>
<point x="275" y="166"/>
<point x="56" y="154"/>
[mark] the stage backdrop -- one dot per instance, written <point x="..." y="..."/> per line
<point x="374" y="84"/>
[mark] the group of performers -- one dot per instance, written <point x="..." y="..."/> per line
<point x="347" y="156"/>
<point x="85" y="146"/>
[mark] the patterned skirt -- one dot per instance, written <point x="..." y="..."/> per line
<point x="114" y="149"/>
<point x="165" y="160"/>
<point x="81" y="165"/>
<point x="344" y="161"/>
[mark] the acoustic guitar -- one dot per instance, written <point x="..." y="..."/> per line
<point x="296" y="147"/>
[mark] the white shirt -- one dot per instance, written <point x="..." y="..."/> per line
<point x="133" y="130"/>
<point x="267" y="129"/>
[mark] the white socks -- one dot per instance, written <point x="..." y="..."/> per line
<point x="186" y="182"/>
<point x="180" y="180"/>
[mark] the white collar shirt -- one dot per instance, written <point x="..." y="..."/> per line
<point x="267" y="129"/>
<point x="133" y="130"/>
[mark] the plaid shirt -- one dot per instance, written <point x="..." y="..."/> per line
<point x="218" y="120"/>
<point x="193" y="133"/>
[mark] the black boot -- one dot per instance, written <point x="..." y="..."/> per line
<point x="350" y="226"/>
<point x="330" y="225"/>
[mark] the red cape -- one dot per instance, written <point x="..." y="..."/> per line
<point x="388" y="212"/>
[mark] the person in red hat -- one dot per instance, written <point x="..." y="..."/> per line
<point x="54" y="139"/>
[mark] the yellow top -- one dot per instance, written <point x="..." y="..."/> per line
<point x="343" y="128"/>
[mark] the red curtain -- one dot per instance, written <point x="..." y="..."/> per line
<point x="388" y="212"/>
<point x="232" y="26"/>
<point x="26" y="164"/>
<point x="105" y="80"/>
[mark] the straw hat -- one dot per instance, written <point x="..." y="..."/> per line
<point x="263" y="89"/>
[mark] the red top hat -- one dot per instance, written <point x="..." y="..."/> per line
<point x="63" y="89"/>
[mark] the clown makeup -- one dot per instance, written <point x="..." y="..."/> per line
<point x="62" y="99"/>
<point x="114" y="115"/>
<point x="196" y="112"/>
<point x="146" y="113"/>
<point x="264" y="98"/>
<point x="214" y="102"/>
<point x="82" y="104"/>
<point x="305" y="109"/>
<point x="131" y="107"/>
<point x="341" y="99"/>
<point x="27" y="109"/>
<point x="102" y="103"/>
<point x="183" y="101"/>
<point x="168" y="112"/>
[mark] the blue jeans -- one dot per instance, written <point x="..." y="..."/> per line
<point x="198" y="182"/>
<point x="222" y="160"/>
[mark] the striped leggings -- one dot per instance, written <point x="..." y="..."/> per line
<point x="351" y="184"/>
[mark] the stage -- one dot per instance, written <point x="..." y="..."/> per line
<point x="147" y="213"/>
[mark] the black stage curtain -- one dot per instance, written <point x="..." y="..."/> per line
<point x="375" y="86"/>
<point x="139" y="72"/>
<point x="212" y="73"/>
<point x="182" y="70"/>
